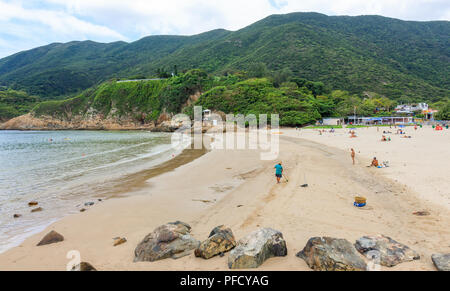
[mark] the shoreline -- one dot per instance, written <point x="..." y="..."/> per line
<point x="229" y="179"/>
<point x="119" y="187"/>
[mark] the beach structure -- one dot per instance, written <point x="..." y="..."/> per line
<point x="429" y="114"/>
<point x="210" y="119"/>
<point x="380" y="120"/>
<point x="332" y="121"/>
<point x="207" y="115"/>
<point x="411" y="108"/>
<point x="139" y="80"/>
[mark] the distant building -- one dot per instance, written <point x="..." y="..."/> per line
<point x="332" y="121"/>
<point x="411" y="108"/>
<point x="380" y="120"/>
<point x="210" y="119"/>
<point x="207" y="115"/>
<point x="429" y="114"/>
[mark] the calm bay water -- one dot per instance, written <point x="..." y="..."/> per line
<point x="64" y="169"/>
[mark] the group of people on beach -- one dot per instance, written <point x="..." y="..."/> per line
<point x="384" y="138"/>
<point x="279" y="170"/>
<point x="375" y="163"/>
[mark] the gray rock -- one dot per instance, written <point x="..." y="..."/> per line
<point x="390" y="252"/>
<point x="332" y="254"/>
<point x="87" y="204"/>
<point x="442" y="262"/>
<point x="172" y="240"/>
<point x="253" y="250"/>
<point x="51" y="238"/>
<point x="220" y="241"/>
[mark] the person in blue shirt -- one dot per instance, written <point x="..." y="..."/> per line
<point x="279" y="172"/>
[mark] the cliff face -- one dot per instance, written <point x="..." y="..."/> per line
<point x="133" y="105"/>
<point x="30" y="122"/>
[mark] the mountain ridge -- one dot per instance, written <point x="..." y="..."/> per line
<point x="396" y="58"/>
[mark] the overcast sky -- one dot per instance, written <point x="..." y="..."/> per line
<point x="25" y="24"/>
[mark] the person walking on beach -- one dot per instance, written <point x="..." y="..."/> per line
<point x="353" y="156"/>
<point x="279" y="172"/>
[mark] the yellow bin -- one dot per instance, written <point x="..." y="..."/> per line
<point x="360" y="200"/>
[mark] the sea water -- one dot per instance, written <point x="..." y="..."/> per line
<point x="62" y="170"/>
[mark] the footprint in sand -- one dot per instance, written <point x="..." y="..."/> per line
<point x="221" y="188"/>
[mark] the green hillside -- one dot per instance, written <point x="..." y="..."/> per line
<point x="14" y="103"/>
<point x="297" y="101"/>
<point x="403" y="60"/>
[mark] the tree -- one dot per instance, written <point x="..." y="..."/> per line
<point x="282" y="76"/>
<point x="162" y="73"/>
<point x="258" y="70"/>
<point x="444" y="112"/>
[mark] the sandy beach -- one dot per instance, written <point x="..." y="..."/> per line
<point x="235" y="188"/>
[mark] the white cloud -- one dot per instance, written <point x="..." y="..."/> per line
<point x="108" y="20"/>
<point x="420" y="10"/>
<point x="57" y="21"/>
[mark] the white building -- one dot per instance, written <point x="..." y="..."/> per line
<point x="207" y="115"/>
<point x="380" y="120"/>
<point x="332" y="121"/>
<point x="411" y="108"/>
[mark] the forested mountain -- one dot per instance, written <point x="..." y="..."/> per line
<point x="14" y="103"/>
<point x="402" y="60"/>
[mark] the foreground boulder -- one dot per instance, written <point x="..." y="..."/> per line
<point x="51" y="238"/>
<point x="332" y="254"/>
<point x="220" y="241"/>
<point x="84" y="267"/>
<point x="253" y="250"/>
<point x="172" y="240"/>
<point x="390" y="252"/>
<point x="442" y="262"/>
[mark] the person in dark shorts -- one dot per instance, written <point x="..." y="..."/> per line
<point x="279" y="172"/>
